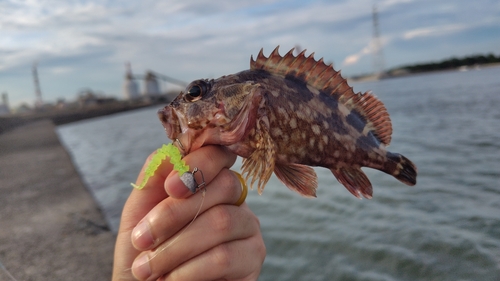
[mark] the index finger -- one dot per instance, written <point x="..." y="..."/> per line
<point x="209" y="160"/>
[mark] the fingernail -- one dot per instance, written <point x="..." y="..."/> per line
<point x="142" y="237"/>
<point x="140" y="267"/>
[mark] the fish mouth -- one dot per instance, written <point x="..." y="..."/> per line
<point x="181" y="138"/>
<point x="169" y="121"/>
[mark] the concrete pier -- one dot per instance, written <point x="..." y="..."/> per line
<point x="50" y="226"/>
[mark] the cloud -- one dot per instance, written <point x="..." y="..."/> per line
<point x="61" y="69"/>
<point x="388" y="3"/>
<point x="354" y="58"/>
<point x="367" y="50"/>
<point x="89" y="40"/>
<point x="433" y="31"/>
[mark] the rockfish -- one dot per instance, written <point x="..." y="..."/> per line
<point x="285" y="114"/>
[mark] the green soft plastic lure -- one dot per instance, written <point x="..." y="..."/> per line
<point x="161" y="154"/>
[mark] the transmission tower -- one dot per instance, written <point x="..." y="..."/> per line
<point x="38" y="92"/>
<point x="378" y="56"/>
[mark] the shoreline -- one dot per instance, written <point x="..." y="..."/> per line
<point x="373" y="77"/>
<point x="52" y="227"/>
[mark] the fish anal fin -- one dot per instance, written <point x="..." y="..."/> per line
<point x="326" y="79"/>
<point x="354" y="180"/>
<point x="299" y="178"/>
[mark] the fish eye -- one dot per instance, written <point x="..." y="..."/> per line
<point x="196" y="91"/>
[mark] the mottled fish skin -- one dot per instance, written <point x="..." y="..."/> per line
<point x="285" y="114"/>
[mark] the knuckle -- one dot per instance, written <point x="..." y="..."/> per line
<point x="259" y="245"/>
<point x="221" y="257"/>
<point x="168" y="214"/>
<point x="221" y="219"/>
<point x="251" y="220"/>
<point x="257" y="221"/>
<point x="232" y="186"/>
<point x="261" y="249"/>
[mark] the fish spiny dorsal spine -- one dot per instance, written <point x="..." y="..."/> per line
<point x="324" y="78"/>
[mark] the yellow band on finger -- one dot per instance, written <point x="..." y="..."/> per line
<point x="244" y="189"/>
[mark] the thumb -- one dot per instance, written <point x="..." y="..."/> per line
<point x="139" y="203"/>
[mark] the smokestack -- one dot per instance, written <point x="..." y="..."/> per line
<point x="4" y="106"/>
<point x="130" y="88"/>
<point x="38" y="92"/>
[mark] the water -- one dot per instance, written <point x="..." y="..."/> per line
<point x="445" y="228"/>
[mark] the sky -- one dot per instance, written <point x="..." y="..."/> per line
<point x="80" y="44"/>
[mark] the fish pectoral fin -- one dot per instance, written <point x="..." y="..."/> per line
<point x="354" y="180"/>
<point x="297" y="177"/>
<point x="260" y="164"/>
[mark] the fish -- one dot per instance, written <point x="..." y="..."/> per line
<point x="287" y="114"/>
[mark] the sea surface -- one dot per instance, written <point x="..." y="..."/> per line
<point x="447" y="227"/>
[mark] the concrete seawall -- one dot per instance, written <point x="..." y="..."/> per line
<point x="64" y="116"/>
<point x="50" y="226"/>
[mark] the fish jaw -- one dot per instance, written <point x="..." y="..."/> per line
<point x="169" y="121"/>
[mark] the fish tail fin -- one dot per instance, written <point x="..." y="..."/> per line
<point x="401" y="168"/>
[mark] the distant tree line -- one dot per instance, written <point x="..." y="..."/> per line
<point x="451" y="63"/>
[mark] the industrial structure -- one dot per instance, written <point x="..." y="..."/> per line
<point x="4" y="106"/>
<point x="151" y="84"/>
<point x="130" y="88"/>
<point x="38" y="91"/>
<point x="378" y="56"/>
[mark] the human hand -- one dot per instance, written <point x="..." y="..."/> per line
<point x="156" y="239"/>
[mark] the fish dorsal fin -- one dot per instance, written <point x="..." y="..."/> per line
<point x="324" y="78"/>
